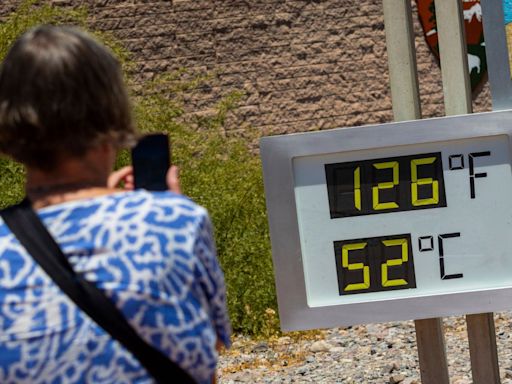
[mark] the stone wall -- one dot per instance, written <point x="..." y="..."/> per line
<point x="302" y="64"/>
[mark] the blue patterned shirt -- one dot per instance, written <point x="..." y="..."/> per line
<point x="152" y="254"/>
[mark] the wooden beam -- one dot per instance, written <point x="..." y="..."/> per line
<point x="431" y="351"/>
<point x="482" y="348"/>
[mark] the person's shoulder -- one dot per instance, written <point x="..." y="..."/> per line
<point x="137" y="208"/>
<point x="4" y="230"/>
<point x="165" y="198"/>
<point x="157" y="201"/>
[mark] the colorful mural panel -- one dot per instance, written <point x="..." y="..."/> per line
<point x="507" y="10"/>
<point x="477" y="60"/>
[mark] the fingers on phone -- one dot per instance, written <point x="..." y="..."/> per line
<point x="129" y="183"/>
<point x="122" y="178"/>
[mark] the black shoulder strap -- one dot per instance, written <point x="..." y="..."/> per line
<point x="32" y="234"/>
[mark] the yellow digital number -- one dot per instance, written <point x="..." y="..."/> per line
<point x="355" y="266"/>
<point x="394" y="262"/>
<point x="357" y="188"/>
<point x="377" y="205"/>
<point x="424" y="181"/>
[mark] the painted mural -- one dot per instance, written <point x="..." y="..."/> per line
<point x="507" y="10"/>
<point x="477" y="60"/>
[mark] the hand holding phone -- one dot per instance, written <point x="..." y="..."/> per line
<point x="151" y="161"/>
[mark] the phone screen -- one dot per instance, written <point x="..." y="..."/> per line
<point x="151" y="160"/>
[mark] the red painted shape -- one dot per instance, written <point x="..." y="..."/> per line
<point x="474" y="35"/>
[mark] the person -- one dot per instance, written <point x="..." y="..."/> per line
<point x="64" y="112"/>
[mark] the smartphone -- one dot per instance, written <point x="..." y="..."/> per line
<point x="151" y="158"/>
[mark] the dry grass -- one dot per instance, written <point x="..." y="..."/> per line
<point x="281" y="351"/>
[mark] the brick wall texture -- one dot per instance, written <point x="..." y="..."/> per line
<point x="302" y="64"/>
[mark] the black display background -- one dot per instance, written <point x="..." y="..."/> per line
<point x="374" y="255"/>
<point x="340" y="185"/>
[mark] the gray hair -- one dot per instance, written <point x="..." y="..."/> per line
<point x="61" y="93"/>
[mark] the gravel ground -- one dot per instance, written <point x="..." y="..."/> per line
<point x="373" y="353"/>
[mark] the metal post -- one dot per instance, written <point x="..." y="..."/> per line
<point x="482" y="348"/>
<point x="496" y="50"/>
<point x="406" y="106"/>
<point x="403" y="72"/>
<point x="457" y="99"/>
<point x="454" y="57"/>
<point x="431" y="351"/>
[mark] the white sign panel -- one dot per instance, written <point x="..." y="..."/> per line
<point x="392" y="222"/>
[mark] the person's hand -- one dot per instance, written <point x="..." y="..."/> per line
<point x="122" y="178"/>
<point x="173" y="179"/>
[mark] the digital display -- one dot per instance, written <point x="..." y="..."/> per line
<point x="374" y="264"/>
<point x="391" y="222"/>
<point x="392" y="184"/>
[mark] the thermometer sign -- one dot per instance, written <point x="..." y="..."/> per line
<point x="392" y="222"/>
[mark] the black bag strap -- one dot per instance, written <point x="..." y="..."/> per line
<point x="33" y="235"/>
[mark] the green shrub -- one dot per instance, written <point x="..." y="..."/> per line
<point x="217" y="170"/>
<point x="28" y="15"/>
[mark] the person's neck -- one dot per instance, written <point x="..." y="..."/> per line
<point x="72" y="179"/>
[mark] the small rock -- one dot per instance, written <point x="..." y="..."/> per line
<point x="320" y="346"/>
<point x="390" y="368"/>
<point x="310" y="359"/>
<point x="373" y="329"/>
<point x="260" y="347"/>
<point x="395" y="379"/>
<point x="285" y="340"/>
<point x="242" y="377"/>
<point x="302" y="371"/>
<point x="336" y="350"/>
<point x="237" y="344"/>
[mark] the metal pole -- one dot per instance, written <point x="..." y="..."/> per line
<point x="454" y="57"/>
<point x="482" y="348"/>
<point x="457" y="100"/>
<point x="406" y="106"/>
<point x="403" y="73"/>
<point x="496" y="50"/>
<point x="431" y="351"/>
